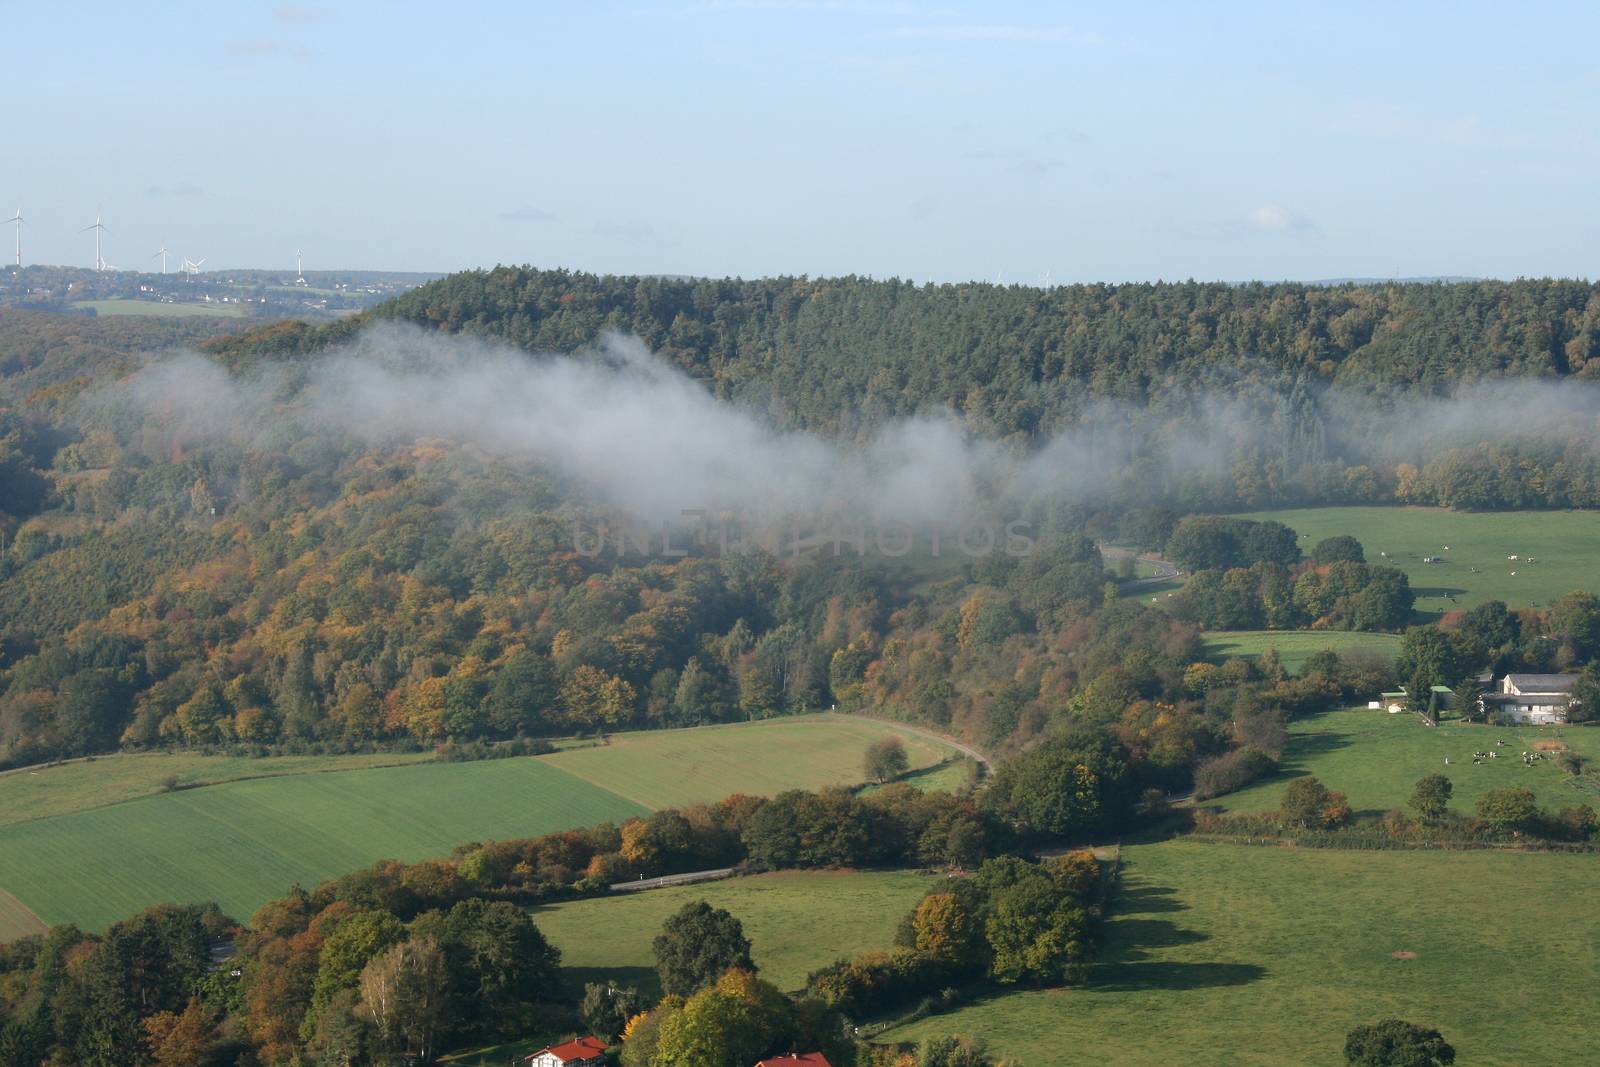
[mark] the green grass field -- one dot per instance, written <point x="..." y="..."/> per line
<point x="1375" y="758"/>
<point x="1565" y="546"/>
<point x="1230" y="955"/>
<point x="950" y="777"/>
<point x="94" y="841"/>
<point x="157" y="308"/>
<point x="1296" y="646"/>
<point x="1152" y="593"/>
<point x="38" y="792"/>
<point x="796" y="921"/>
<point x="244" y="843"/>
<point x="672" y="768"/>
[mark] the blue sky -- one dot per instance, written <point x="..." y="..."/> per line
<point x="935" y="141"/>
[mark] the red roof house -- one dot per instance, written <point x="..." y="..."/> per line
<point x="805" y="1059"/>
<point x="584" y="1052"/>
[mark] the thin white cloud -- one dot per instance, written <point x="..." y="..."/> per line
<point x="297" y="14"/>
<point x="901" y="8"/>
<point x="1271" y="220"/>
<point x="640" y="233"/>
<point x="526" y="213"/>
<point x="978" y="32"/>
<point x="1275" y="218"/>
<point x="266" y="48"/>
<point x="1393" y="122"/>
<point x="180" y="189"/>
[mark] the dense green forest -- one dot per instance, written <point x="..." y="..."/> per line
<point x="1299" y="393"/>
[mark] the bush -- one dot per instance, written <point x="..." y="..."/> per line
<point x="1152" y="803"/>
<point x="1508" y="809"/>
<point x="1231" y="771"/>
<point x="1309" y="804"/>
<point x="1576" y="823"/>
<point x="885" y="759"/>
<point x="1341" y="549"/>
<point x="1395" y="1043"/>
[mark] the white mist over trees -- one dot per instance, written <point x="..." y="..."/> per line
<point x="638" y="435"/>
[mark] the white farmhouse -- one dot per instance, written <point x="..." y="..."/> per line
<point x="1534" y="698"/>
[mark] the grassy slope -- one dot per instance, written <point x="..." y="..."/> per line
<point x="1376" y="759"/>
<point x="1296" y="646"/>
<point x="669" y="768"/>
<point x="1230" y="955"/>
<point x="37" y="792"/>
<point x="1565" y="544"/>
<point x="244" y="843"/>
<point x="91" y="842"/>
<point x="796" y="921"/>
<point x="157" y="308"/>
<point x="949" y="777"/>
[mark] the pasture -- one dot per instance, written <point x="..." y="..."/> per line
<point x="1296" y="646"/>
<point x="96" y="840"/>
<point x="145" y="308"/>
<point x="1375" y="758"/>
<point x="245" y="842"/>
<point x="796" y="921"/>
<point x="62" y="788"/>
<point x="1230" y="955"/>
<point x="674" y="768"/>
<point x="1565" y="546"/>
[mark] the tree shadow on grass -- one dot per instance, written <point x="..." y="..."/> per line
<point x="1304" y="748"/>
<point x="1147" y="899"/>
<point x="1136" y="977"/>
<point x="912" y="777"/>
<point x="1134" y="938"/>
<point x="1131" y="941"/>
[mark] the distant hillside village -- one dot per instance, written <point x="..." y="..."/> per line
<point x="189" y="289"/>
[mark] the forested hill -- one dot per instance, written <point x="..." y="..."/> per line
<point x="840" y="354"/>
<point x="162" y="584"/>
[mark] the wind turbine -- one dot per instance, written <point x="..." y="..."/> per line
<point x="98" y="228"/>
<point x="163" y="253"/>
<point x="17" y="218"/>
<point x="299" y="273"/>
<point x="192" y="266"/>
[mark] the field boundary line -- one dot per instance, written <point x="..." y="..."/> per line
<point x="17" y="919"/>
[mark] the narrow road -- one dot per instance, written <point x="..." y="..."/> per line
<point x="671" y="879"/>
<point x="930" y="735"/>
<point x="1166" y="570"/>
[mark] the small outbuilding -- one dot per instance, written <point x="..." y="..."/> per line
<point x="1392" y="702"/>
